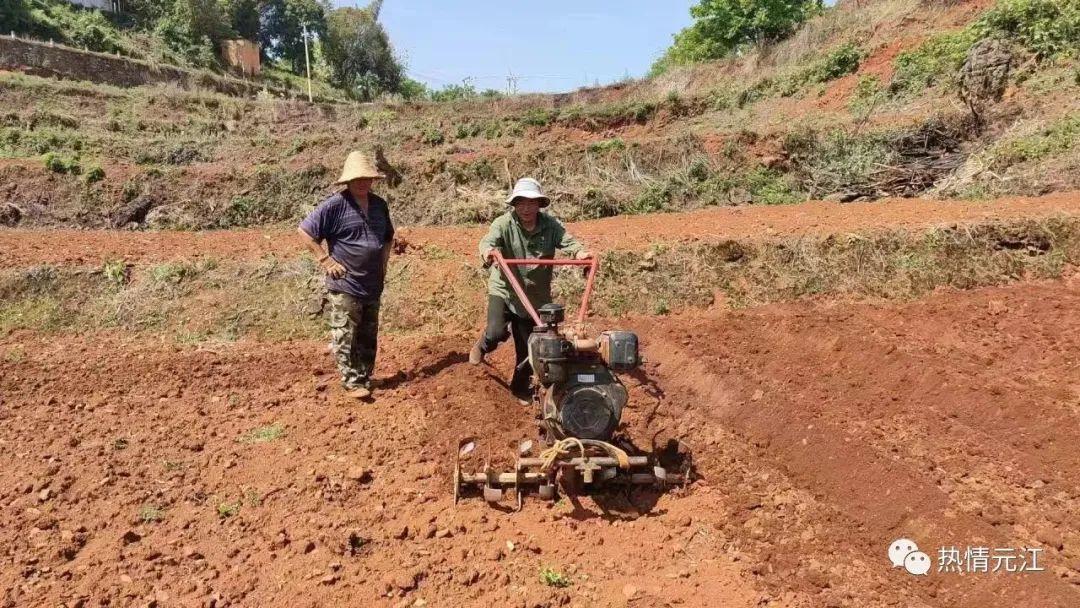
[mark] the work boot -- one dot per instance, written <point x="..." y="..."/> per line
<point x="360" y="393"/>
<point x="476" y="355"/>
<point x="523" y="394"/>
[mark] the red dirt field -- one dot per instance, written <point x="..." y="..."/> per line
<point x="822" y="432"/>
<point x="20" y="248"/>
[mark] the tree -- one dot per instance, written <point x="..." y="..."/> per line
<point x="194" y="28"/>
<point x="148" y="12"/>
<point x="283" y="24"/>
<point x="245" y="16"/>
<point x="359" y="54"/>
<point x="15" y="16"/>
<point x="724" y="27"/>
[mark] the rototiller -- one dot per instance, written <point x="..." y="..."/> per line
<point x="580" y="403"/>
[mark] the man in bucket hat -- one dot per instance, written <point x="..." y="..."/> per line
<point x="356" y="228"/>
<point x="522" y="232"/>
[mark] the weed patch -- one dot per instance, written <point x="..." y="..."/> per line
<point x="553" y="578"/>
<point x="264" y="434"/>
<point x="149" y="514"/>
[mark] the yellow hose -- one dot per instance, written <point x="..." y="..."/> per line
<point x="562" y="448"/>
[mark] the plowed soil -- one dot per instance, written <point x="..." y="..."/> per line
<point x="821" y="432"/>
<point x="19" y="248"/>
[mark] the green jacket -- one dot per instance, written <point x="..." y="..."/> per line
<point x="509" y="237"/>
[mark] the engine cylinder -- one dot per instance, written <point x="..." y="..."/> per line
<point x="588" y="405"/>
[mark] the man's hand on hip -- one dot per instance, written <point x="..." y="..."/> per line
<point x="333" y="269"/>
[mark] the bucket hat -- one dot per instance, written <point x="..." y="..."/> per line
<point x="528" y="187"/>
<point x="359" y="166"/>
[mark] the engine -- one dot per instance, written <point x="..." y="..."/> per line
<point x="580" y="396"/>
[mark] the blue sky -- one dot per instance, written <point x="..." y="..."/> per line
<point x="554" y="45"/>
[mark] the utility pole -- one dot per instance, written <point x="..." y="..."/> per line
<point x="307" y="62"/>
<point x="512" y="83"/>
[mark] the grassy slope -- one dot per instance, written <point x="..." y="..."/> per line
<point x="431" y="289"/>
<point x="777" y="126"/>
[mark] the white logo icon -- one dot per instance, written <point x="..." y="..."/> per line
<point x="917" y="563"/>
<point x="899" y="550"/>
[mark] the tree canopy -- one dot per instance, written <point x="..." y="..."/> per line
<point x="359" y="54"/>
<point x="724" y="27"/>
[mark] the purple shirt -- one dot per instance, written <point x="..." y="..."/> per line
<point x="355" y="240"/>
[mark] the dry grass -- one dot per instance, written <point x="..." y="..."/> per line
<point x="436" y="292"/>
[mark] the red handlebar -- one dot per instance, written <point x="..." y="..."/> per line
<point x="505" y="264"/>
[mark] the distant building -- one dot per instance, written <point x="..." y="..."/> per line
<point x="112" y="6"/>
<point x="242" y="56"/>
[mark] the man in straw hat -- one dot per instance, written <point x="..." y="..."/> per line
<point x="355" y="225"/>
<point x="522" y="232"/>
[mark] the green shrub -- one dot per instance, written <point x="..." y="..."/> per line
<point x="171" y="153"/>
<point x="432" y="136"/>
<point x="597" y="204"/>
<point x="93" y="174"/>
<point x="867" y="94"/>
<point x="1058" y="137"/>
<point x="538" y="117"/>
<point x="115" y="273"/>
<point x="841" y="61"/>
<point x="172" y="273"/>
<point x="60" y="164"/>
<point x="454" y="92"/>
<point x="17" y="142"/>
<point x="934" y="62"/>
<point x="1046" y="27"/>
<point x="769" y="187"/>
<point x="837" y="161"/>
<point x="63" y="22"/>
<point x="607" y="145"/>
<point x="654" y="198"/>
<point x="50" y="119"/>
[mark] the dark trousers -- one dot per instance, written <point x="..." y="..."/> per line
<point x="501" y="324"/>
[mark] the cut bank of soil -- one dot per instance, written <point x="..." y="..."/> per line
<point x="20" y="248"/>
<point x="822" y="432"/>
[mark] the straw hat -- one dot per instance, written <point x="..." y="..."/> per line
<point x="528" y="187"/>
<point x="359" y="166"/>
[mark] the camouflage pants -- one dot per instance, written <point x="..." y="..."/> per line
<point x="354" y="337"/>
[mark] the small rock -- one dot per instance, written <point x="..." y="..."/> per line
<point x="444" y="533"/>
<point x="131" y="536"/>
<point x="496" y="554"/>
<point x="469" y="578"/>
<point x="758" y="394"/>
<point x="1050" y="537"/>
<point x="329" y="579"/>
<point x="44" y="495"/>
<point x="402" y="580"/>
<point x="359" y="475"/>
<point x="402" y="534"/>
<point x="629" y="591"/>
